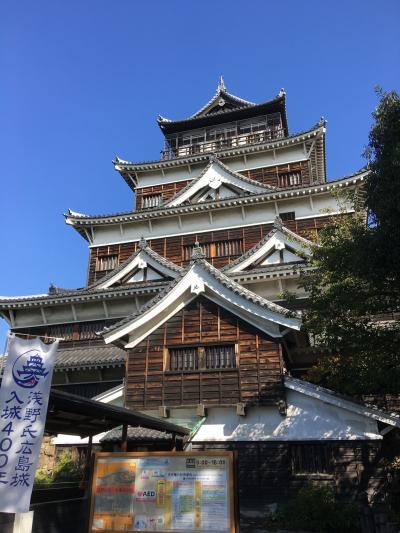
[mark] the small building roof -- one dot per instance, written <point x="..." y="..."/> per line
<point x="74" y="415"/>
<point x="340" y="400"/>
<point x="136" y="434"/>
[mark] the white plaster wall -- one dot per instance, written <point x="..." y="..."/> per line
<point x="307" y="419"/>
<point x="221" y="219"/>
<point x="282" y="156"/>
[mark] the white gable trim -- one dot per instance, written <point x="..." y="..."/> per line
<point x="281" y="239"/>
<point x="215" y="175"/>
<point x="330" y="397"/>
<point x="142" y="260"/>
<point x="198" y="280"/>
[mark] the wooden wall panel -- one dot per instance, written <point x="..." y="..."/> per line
<point x="256" y="380"/>
<point x="266" y="175"/>
<point x="167" y="191"/>
<point x="271" y="175"/>
<point x="172" y="247"/>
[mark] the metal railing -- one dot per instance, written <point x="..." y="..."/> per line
<point x="222" y="144"/>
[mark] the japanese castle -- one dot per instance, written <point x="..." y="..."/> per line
<point x="185" y="314"/>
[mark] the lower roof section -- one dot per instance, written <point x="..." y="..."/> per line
<point x="85" y="357"/>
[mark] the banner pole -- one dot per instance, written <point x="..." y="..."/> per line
<point x="6" y="347"/>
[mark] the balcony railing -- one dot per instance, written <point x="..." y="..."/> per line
<point x="222" y="144"/>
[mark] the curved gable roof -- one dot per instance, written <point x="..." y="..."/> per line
<point x="279" y="235"/>
<point x="201" y="278"/>
<point x="224" y="175"/>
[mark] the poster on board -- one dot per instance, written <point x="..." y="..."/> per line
<point x="163" y="492"/>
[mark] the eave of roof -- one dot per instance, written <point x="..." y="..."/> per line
<point x="340" y="400"/>
<point x="126" y="166"/>
<point x="89" y="417"/>
<point x="197" y="120"/>
<point x="81" y="295"/>
<point x="95" y="291"/>
<point x="82" y="221"/>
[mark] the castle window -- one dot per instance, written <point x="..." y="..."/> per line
<point x="289" y="179"/>
<point x="193" y="358"/>
<point x="289" y="215"/>
<point x="227" y="248"/>
<point x="151" y="200"/>
<point x="106" y="262"/>
<point x="309" y="458"/>
<point x="183" y="359"/>
<point x="230" y="247"/>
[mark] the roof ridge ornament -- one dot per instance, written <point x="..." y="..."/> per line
<point x="52" y="289"/>
<point x="142" y="243"/>
<point x="278" y="222"/>
<point x="197" y="252"/>
<point x="221" y="84"/>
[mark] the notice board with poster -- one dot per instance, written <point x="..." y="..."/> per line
<point x="163" y="492"/>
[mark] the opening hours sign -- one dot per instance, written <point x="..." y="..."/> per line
<point x="163" y="492"/>
<point x="24" y="396"/>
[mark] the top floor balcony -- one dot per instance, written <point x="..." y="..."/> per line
<point x="233" y="135"/>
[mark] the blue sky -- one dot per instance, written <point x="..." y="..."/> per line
<point x="83" y="81"/>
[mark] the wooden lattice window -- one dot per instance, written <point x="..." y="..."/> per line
<point x="151" y="200"/>
<point x="61" y="332"/>
<point x="289" y="215"/>
<point x="88" y="331"/>
<point x="289" y="179"/>
<point x="106" y="262"/>
<point x="193" y="358"/>
<point x="310" y="458"/>
<point x="229" y="247"/>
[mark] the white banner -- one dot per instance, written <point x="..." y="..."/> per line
<point x="24" y="396"/>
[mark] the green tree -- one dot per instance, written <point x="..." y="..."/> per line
<point x="355" y="286"/>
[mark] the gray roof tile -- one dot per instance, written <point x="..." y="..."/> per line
<point x="136" y="434"/>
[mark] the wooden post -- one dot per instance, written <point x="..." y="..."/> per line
<point x="23" y="522"/>
<point x="124" y="438"/>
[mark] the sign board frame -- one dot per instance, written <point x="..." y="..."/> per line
<point x="231" y="470"/>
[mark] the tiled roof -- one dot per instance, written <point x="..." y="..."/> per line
<point x="214" y="159"/>
<point x="88" y="357"/>
<point x="217" y="274"/>
<point x="91" y="293"/>
<point x="239" y="200"/>
<point x="277" y="227"/>
<point x="225" y="152"/>
<point x="143" y="246"/>
<point x="136" y="434"/>
<point x="58" y="293"/>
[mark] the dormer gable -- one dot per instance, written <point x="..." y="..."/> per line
<point x="280" y="246"/>
<point x="201" y="279"/>
<point x="143" y="265"/>
<point x="217" y="182"/>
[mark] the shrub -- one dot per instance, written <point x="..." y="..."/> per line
<point x="315" y="509"/>
<point x="42" y="477"/>
<point x="66" y="468"/>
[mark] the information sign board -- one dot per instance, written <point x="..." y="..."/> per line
<point x="163" y="492"/>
